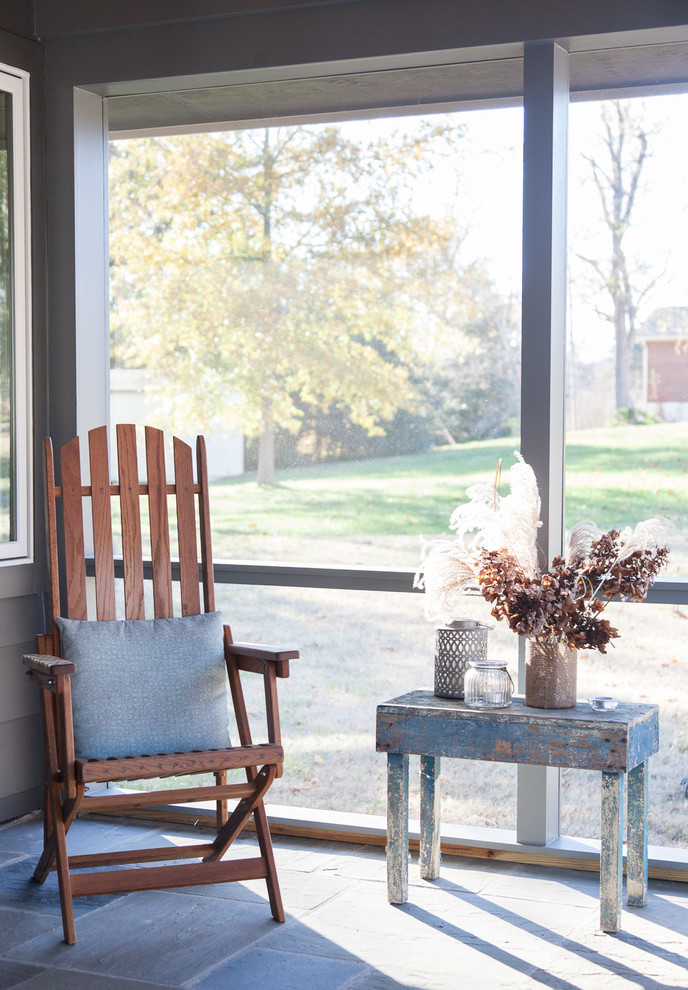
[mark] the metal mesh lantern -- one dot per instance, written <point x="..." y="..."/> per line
<point x="455" y="645"/>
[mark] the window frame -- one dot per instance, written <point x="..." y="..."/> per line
<point x="20" y="549"/>
<point x="538" y="798"/>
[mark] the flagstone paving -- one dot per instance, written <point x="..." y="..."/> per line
<point x="481" y="925"/>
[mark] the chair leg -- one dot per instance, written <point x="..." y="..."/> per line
<point x="68" y="813"/>
<point x="64" y="879"/>
<point x="265" y="842"/>
<point x="221" y="814"/>
<point x="47" y="857"/>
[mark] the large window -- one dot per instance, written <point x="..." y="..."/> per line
<point x="339" y="496"/>
<point x="338" y="307"/>
<point x="627" y="401"/>
<point x="14" y="320"/>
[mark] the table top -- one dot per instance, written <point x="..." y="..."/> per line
<point x="420" y="722"/>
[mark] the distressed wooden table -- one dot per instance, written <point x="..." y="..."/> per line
<point x="617" y="743"/>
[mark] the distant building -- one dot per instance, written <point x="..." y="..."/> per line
<point x="131" y="402"/>
<point x="664" y="338"/>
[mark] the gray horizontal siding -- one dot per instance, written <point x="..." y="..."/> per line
<point x="20" y="729"/>
<point x="21" y="765"/>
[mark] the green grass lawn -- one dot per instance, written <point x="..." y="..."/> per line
<point x="357" y="648"/>
<point x="615" y="476"/>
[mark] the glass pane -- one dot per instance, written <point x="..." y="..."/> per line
<point x="360" y="650"/>
<point x="627" y="402"/>
<point x="337" y="302"/>
<point x="7" y="435"/>
<point x="646" y="667"/>
<point x="356" y="651"/>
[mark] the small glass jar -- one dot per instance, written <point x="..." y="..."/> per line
<point x="488" y="684"/>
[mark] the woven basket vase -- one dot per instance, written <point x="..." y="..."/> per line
<point x="551" y="675"/>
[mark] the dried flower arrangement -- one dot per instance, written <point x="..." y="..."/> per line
<point x="563" y="604"/>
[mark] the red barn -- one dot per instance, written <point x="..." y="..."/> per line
<point x="665" y="363"/>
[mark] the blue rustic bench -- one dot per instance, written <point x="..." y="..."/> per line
<point x="617" y="743"/>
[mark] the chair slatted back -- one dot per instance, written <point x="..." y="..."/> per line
<point x="191" y="520"/>
<point x="102" y="524"/>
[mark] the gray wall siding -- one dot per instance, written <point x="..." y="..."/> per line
<point x="17" y="17"/>
<point x="22" y="585"/>
<point x="20" y="729"/>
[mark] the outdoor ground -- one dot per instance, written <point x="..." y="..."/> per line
<point x="482" y="924"/>
<point x="358" y="649"/>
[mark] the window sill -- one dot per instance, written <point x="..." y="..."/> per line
<point x="20" y="577"/>
<point x="566" y="852"/>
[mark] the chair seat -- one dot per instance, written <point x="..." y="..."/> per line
<point x="176" y="764"/>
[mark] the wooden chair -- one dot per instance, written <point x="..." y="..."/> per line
<point x="71" y="775"/>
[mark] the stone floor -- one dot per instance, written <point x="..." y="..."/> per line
<point x="482" y="925"/>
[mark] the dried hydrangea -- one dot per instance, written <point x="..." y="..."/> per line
<point x="563" y="604"/>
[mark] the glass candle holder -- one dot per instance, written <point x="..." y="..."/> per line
<point x="488" y="684"/>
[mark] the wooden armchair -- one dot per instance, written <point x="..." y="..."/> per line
<point x="145" y="698"/>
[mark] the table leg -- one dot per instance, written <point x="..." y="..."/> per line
<point x="611" y="851"/>
<point x="636" y="859"/>
<point x="429" y="817"/>
<point x="397" y="827"/>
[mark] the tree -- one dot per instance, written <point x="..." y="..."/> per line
<point x="476" y="391"/>
<point x="255" y="269"/>
<point x="617" y="172"/>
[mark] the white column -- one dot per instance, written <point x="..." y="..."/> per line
<point x="91" y="282"/>
<point x="546" y="99"/>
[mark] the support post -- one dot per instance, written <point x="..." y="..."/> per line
<point x="545" y="98"/>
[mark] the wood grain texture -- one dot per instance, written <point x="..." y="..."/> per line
<point x="75" y="567"/>
<point x="102" y="524"/>
<point x="429" y="817"/>
<point x="235" y="686"/>
<point x="152" y="799"/>
<point x="397" y="828"/>
<point x="260" y="820"/>
<point x="163" y="877"/>
<point x="49" y="665"/>
<point x="272" y="705"/>
<point x="173" y="764"/>
<point x="119" y="857"/>
<point x="243" y="810"/>
<point x="65" y="733"/>
<point x="578" y="737"/>
<point x="186" y="529"/>
<point x="51" y="538"/>
<point x="636" y="857"/>
<point x="159" y="524"/>
<point x="204" y="527"/>
<point x="611" y="851"/>
<point x="131" y="522"/>
<point x="253" y="657"/>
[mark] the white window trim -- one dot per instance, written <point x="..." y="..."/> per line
<point x="16" y="82"/>
<point x="536" y="793"/>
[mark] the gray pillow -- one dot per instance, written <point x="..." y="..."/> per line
<point x="147" y="686"/>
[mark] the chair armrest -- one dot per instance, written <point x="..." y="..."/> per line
<point x="254" y="656"/>
<point x="44" y="664"/>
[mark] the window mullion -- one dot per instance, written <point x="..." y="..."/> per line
<point x="546" y="99"/>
